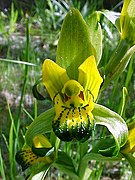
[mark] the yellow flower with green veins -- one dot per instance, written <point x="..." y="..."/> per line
<point x="73" y="99"/>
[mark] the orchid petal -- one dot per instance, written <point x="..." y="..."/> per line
<point x="27" y="158"/>
<point x="41" y="141"/>
<point x="89" y="76"/>
<point x="54" y="77"/>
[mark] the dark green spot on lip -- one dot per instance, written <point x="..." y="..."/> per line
<point x="80" y="132"/>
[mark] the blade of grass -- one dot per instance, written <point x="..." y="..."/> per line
<point x="25" y="78"/>
<point x="13" y="140"/>
<point x="5" y="140"/>
<point x="13" y="19"/>
<point x="28" y="114"/>
<point x="11" y="144"/>
<point x="17" y="62"/>
<point x="2" y="169"/>
<point x="35" y="108"/>
<point x="12" y="123"/>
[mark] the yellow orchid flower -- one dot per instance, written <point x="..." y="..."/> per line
<point x="37" y="154"/>
<point x="129" y="147"/>
<point x="73" y="100"/>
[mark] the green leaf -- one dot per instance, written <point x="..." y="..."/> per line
<point x="98" y="157"/>
<point x="122" y="64"/>
<point x="42" y="124"/>
<point x="131" y="159"/>
<point x="74" y="44"/>
<point x="93" y="156"/>
<point x="117" y="56"/>
<point x="105" y="146"/>
<point x="38" y="168"/>
<point x="114" y="123"/>
<point x="113" y="17"/>
<point x="96" y="35"/>
<point x="64" y="164"/>
<point x="117" y="65"/>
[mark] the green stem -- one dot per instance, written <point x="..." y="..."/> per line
<point x="83" y="166"/>
<point x="35" y="108"/>
<point x="26" y="75"/>
<point x="96" y="175"/>
<point x="129" y="72"/>
<point x="55" y="141"/>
